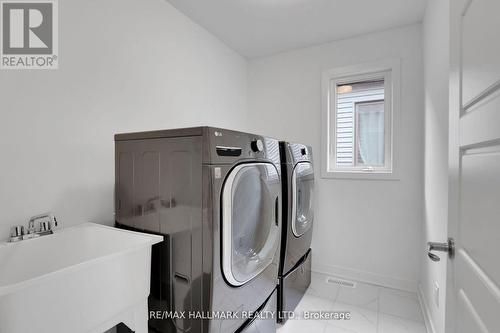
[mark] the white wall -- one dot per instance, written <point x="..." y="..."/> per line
<point x="131" y="66"/>
<point x="436" y="68"/>
<point x="125" y="65"/>
<point x="368" y="230"/>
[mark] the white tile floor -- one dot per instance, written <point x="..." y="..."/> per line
<point x="373" y="310"/>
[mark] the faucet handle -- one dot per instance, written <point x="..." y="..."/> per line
<point x="53" y="223"/>
<point x="31" y="227"/>
<point x="17" y="231"/>
<point x="44" y="226"/>
<point x="46" y="221"/>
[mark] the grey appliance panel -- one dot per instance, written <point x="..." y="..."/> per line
<point x="167" y="183"/>
<point x="266" y="323"/>
<point x="217" y="137"/>
<point x="158" y="182"/>
<point x="225" y="297"/>
<point x="214" y="138"/>
<point x="296" y="152"/>
<point x="160" y="134"/>
<point x="158" y="190"/>
<point x="294" y="285"/>
<point x="294" y="247"/>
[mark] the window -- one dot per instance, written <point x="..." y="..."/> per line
<point x="360" y="109"/>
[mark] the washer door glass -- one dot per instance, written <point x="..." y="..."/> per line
<point x="302" y="192"/>
<point x="250" y="221"/>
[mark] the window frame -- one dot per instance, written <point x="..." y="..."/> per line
<point x="389" y="71"/>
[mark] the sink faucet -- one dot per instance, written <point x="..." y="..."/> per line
<point x="38" y="225"/>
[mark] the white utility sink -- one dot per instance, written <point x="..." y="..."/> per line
<point x="87" y="278"/>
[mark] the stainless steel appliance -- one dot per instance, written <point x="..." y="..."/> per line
<point x="215" y="195"/>
<point x="298" y="216"/>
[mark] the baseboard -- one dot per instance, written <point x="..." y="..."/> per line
<point x="425" y="310"/>
<point x="366" y="277"/>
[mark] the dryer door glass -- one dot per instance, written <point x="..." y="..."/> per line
<point x="250" y="221"/>
<point x="302" y="192"/>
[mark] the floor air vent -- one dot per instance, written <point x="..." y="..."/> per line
<point x="341" y="282"/>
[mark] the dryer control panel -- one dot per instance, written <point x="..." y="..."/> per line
<point x="228" y="147"/>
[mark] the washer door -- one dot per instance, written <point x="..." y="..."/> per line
<point x="302" y="198"/>
<point x="250" y="221"/>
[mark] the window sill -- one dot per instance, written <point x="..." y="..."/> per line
<point x="360" y="175"/>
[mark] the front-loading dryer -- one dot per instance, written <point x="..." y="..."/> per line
<point x="215" y="195"/>
<point x="298" y="216"/>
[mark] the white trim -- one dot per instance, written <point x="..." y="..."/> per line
<point x="227" y="210"/>
<point x="458" y="10"/>
<point x="425" y="310"/>
<point x="390" y="70"/>
<point x="366" y="277"/>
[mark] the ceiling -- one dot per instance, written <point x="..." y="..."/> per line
<point x="261" y="27"/>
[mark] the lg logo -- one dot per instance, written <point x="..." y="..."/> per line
<point x="29" y="28"/>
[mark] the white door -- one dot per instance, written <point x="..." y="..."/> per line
<point x="473" y="290"/>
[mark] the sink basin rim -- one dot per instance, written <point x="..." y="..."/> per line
<point x="149" y="240"/>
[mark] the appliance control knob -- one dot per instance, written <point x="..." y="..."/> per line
<point x="257" y="145"/>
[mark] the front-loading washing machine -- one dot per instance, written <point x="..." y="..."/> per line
<point x="215" y="195"/>
<point x="298" y="215"/>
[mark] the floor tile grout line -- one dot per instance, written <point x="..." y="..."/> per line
<point x="336" y="295"/>
<point x="378" y="310"/>
<point x="379" y="291"/>
<point x="406" y="297"/>
<point x="403" y="318"/>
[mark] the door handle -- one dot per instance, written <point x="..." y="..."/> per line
<point x="448" y="247"/>
<point x="277" y="212"/>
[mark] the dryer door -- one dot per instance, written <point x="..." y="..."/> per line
<point x="251" y="206"/>
<point x="302" y="198"/>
